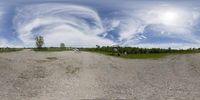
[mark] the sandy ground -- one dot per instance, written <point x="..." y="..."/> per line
<point x="29" y="75"/>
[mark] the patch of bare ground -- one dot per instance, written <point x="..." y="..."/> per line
<point x="29" y="75"/>
<point x="72" y="70"/>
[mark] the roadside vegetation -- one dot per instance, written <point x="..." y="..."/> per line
<point x="123" y="52"/>
<point x="40" y="43"/>
<point x="50" y="49"/>
<point x="9" y="49"/>
<point x="139" y="53"/>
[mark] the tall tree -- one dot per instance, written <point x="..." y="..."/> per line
<point x="39" y="41"/>
<point x="98" y="46"/>
<point x="62" y="46"/>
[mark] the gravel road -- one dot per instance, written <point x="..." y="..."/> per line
<point x="68" y="75"/>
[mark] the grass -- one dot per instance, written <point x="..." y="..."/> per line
<point x="4" y="50"/>
<point x="143" y="56"/>
<point x="53" y="49"/>
<point x="137" y="56"/>
<point x="153" y="55"/>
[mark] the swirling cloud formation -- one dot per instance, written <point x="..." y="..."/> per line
<point x="89" y="23"/>
<point x="59" y="23"/>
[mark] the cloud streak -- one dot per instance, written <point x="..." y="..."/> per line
<point x="158" y="22"/>
<point x="58" y="23"/>
<point x="87" y="24"/>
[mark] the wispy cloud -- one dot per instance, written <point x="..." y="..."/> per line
<point x="165" y="21"/>
<point x="77" y="23"/>
<point x="166" y="45"/>
<point x="66" y="23"/>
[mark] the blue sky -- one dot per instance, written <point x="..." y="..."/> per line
<point x="86" y="23"/>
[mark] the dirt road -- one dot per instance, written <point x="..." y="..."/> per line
<point x="29" y="75"/>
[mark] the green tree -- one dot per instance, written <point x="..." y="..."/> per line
<point x="98" y="46"/>
<point x="62" y="46"/>
<point x="39" y="42"/>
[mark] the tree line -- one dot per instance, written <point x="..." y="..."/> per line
<point x="39" y="41"/>
<point x="137" y="50"/>
<point x="123" y="50"/>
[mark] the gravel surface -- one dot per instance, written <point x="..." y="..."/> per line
<point x="29" y="75"/>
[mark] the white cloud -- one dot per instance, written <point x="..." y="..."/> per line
<point x="130" y="28"/>
<point x="72" y="37"/>
<point x="6" y="43"/>
<point x="1" y="16"/>
<point x="71" y="24"/>
<point x="80" y="25"/>
<point x="167" y="45"/>
<point x="171" y="21"/>
<point x="3" y="42"/>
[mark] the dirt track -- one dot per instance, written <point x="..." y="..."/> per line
<point x="28" y="75"/>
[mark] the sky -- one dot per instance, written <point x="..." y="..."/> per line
<point x="87" y="23"/>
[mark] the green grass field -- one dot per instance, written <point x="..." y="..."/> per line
<point x="141" y="53"/>
<point x="49" y="49"/>
<point x="4" y="50"/>
<point x="135" y="56"/>
<point x="143" y="56"/>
